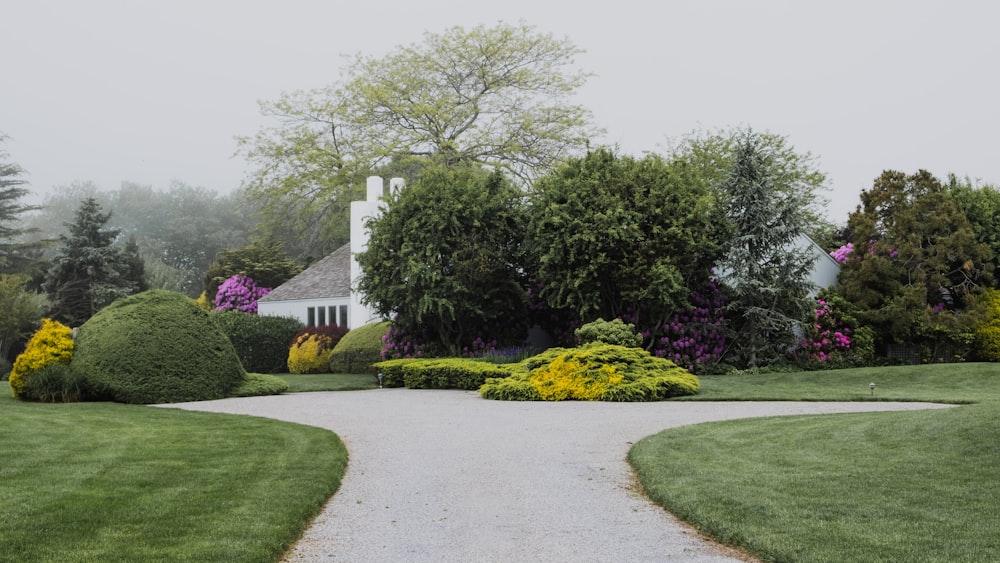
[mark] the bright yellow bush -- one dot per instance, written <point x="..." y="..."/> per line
<point x="203" y="302"/>
<point x="988" y="333"/>
<point x="52" y="343"/>
<point x="567" y="379"/>
<point x="310" y="354"/>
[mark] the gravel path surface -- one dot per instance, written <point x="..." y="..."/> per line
<point x="445" y="476"/>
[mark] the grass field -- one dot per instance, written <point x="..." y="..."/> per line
<point x="112" y="482"/>
<point x="300" y="383"/>
<point x="910" y="486"/>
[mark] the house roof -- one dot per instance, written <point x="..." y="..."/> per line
<point x="330" y="277"/>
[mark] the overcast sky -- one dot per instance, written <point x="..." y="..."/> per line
<point x="149" y="92"/>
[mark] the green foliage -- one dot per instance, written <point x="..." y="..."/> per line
<point x="498" y="96"/>
<point x="596" y="372"/>
<point x="916" y="265"/>
<point x="609" y="332"/>
<point x="260" y="384"/>
<point x="21" y="308"/>
<point x="55" y="382"/>
<point x="12" y="251"/>
<point x="981" y="206"/>
<point x="157" y="347"/>
<point x="444" y="373"/>
<point x="261" y="342"/>
<point x="359" y="350"/>
<point x="444" y="260"/>
<point x="988" y="332"/>
<point x="265" y="262"/>
<point x="311" y="348"/>
<point x="90" y="271"/>
<point x="765" y="269"/>
<point x="51" y="344"/>
<point x="615" y="237"/>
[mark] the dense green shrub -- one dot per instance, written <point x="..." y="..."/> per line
<point x="259" y="384"/>
<point x="156" y="347"/>
<point x="441" y="373"/>
<point x="261" y="342"/>
<point x="359" y="349"/>
<point x="311" y="348"/>
<point x="52" y="343"/>
<point x="594" y="372"/>
<point x="616" y="331"/>
<point x="988" y="333"/>
<point x="54" y="383"/>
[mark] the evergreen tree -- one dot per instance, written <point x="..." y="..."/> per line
<point x="13" y="254"/>
<point x="135" y="266"/>
<point x="89" y="271"/>
<point x="765" y="268"/>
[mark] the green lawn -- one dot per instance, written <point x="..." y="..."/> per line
<point x="911" y="486"/>
<point x="112" y="482"/>
<point x="299" y="383"/>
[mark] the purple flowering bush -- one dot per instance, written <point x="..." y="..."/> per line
<point x="239" y="293"/>
<point x="835" y="337"/>
<point x="695" y="337"/>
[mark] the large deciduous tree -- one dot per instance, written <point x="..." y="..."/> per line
<point x="765" y="266"/>
<point x="497" y="96"/>
<point x="615" y="237"/>
<point x="265" y="262"/>
<point x="90" y="270"/>
<point x="444" y="260"/>
<point x="981" y="205"/>
<point x="915" y="261"/>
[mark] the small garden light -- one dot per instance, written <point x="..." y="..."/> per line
<point x="380" y="380"/>
<point x="872" y="387"/>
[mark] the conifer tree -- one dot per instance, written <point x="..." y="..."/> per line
<point x="765" y="268"/>
<point x="11" y="191"/>
<point x="89" y="271"/>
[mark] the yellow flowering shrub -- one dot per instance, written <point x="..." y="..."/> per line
<point x="52" y="343"/>
<point x="310" y="353"/>
<point x="203" y="303"/>
<point x="988" y="334"/>
<point x="593" y="372"/>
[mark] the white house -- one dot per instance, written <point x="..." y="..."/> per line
<point x="322" y="293"/>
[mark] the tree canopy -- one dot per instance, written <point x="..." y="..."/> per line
<point x="12" y="250"/>
<point x="444" y="260"/>
<point x="496" y="96"/>
<point x="615" y="237"/>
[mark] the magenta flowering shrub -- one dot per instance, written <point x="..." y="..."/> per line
<point x="239" y="293"/>
<point x="842" y="253"/>
<point x="397" y="344"/>
<point x="696" y="336"/>
<point x="835" y="334"/>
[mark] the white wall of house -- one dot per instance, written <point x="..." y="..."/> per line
<point x="327" y="311"/>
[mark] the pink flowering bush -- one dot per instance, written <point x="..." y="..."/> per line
<point x="835" y="337"/>
<point x="842" y="253"/>
<point x="695" y="337"/>
<point x="239" y="293"/>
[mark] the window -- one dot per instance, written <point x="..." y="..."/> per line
<point x="343" y="315"/>
<point x="311" y="316"/>
<point x="322" y="316"/>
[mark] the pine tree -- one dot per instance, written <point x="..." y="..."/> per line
<point x="90" y="271"/>
<point x="765" y="268"/>
<point x="11" y="191"/>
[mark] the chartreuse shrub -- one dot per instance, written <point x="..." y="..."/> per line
<point x="988" y="333"/>
<point x="156" y="347"/>
<point x="359" y="350"/>
<point x="616" y="331"/>
<point x="440" y="373"/>
<point x="594" y="372"/>
<point x="261" y="342"/>
<point x="311" y="348"/>
<point x="34" y="376"/>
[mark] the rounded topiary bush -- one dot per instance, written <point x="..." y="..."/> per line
<point x="595" y="372"/>
<point x="615" y="331"/>
<point x="261" y="341"/>
<point x="156" y="347"/>
<point x="359" y="349"/>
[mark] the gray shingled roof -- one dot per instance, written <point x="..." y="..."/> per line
<point x="330" y="277"/>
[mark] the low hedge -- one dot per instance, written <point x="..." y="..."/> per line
<point x="443" y="373"/>
<point x="359" y="349"/>
<point x="594" y="372"/>
<point x="260" y="384"/>
<point x="261" y="341"/>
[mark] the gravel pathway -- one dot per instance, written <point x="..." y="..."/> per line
<point x="445" y="476"/>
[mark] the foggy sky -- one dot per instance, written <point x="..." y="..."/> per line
<point x="149" y="92"/>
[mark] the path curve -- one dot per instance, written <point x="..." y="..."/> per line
<point x="445" y="476"/>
